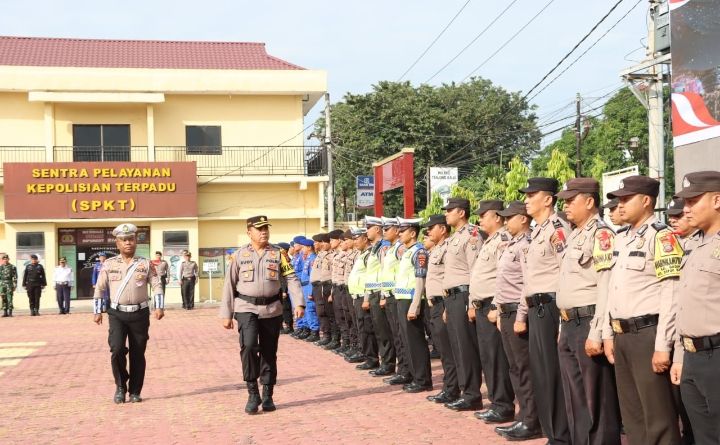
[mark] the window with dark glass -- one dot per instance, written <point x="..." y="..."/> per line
<point x="102" y="142"/>
<point x="30" y="240"/>
<point x="176" y="238"/>
<point x="203" y="140"/>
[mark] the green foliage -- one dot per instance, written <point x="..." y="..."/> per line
<point x="558" y="167"/>
<point x="458" y="191"/>
<point x="515" y="179"/>
<point x="434" y="207"/>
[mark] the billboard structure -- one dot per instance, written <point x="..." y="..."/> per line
<point x="441" y="181"/>
<point x="393" y="172"/>
<point x="365" y="186"/>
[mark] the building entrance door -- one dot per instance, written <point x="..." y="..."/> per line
<point x="85" y="289"/>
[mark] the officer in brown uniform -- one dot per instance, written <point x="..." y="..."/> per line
<point x="613" y="212"/>
<point x="460" y="256"/>
<point x="508" y="294"/>
<point x="539" y="310"/>
<point x="320" y="278"/>
<point x="698" y="310"/>
<point x="438" y="231"/>
<point x="689" y="236"/>
<point x="353" y="354"/>
<point x="337" y="293"/>
<point x="482" y="291"/>
<point x="588" y="378"/>
<point x="126" y="277"/>
<point x="187" y="275"/>
<point x="640" y="307"/>
<point x="251" y="295"/>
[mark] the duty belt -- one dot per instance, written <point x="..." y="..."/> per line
<point x="539" y="299"/>
<point x="457" y="290"/>
<point x="481" y="304"/>
<point x="259" y="301"/>
<point x="698" y="344"/>
<point x="577" y="313"/>
<point x="634" y="324"/>
<point x="508" y="308"/>
<point x="129" y="307"/>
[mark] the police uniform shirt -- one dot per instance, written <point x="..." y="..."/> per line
<point x="698" y="299"/>
<point x="113" y="273"/>
<point x="257" y="274"/>
<point x="460" y="256"/>
<point x="509" y="277"/>
<point x="542" y="260"/>
<point x="585" y="271"/>
<point x="690" y="242"/>
<point x="436" y="270"/>
<point x="482" y="278"/>
<point x="349" y="260"/>
<point x="321" y="270"/>
<point x="162" y="268"/>
<point x="188" y="269"/>
<point x="338" y="267"/>
<point x="643" y="277"/>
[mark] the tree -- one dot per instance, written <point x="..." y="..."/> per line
<point x="558" y="167"/>
<point x="515" y="179"/>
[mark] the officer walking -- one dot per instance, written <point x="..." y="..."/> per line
<point x="509" y="286"/>
<point x="367" y="342"/>
<point x="538" y="308"/>
<point x="126" y="277"/>
<point x="251" y="297"/>
<point x="640" y="306"/>
<point x="8" y="284"/>
<point x="63" y="279"/>
<point x="162" y="268"/>
<point x="438" y="231"/>
<point x="483" y="313"/>
<point x="460" y="256"/>
<point x="696" y="362"/>
<point x="588" y="378"/>
<point x="34" y="281"/>
<point x="187" y="274"/>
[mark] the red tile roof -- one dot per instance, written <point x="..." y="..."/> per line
<point x="35" y="51"/>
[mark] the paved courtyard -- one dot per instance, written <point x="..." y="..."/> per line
<point x="56" y="387"/>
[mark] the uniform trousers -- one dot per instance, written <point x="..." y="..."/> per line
<point x="412" y="335"/>
<point x="287" y="314"/>
<point x="647" y="405"/>
<point x="383" y="335"/>
<point x="34" y="291"/>
<point x="187" y="289"/>
<point x="366" y="333"/>
<point x="543" y="323"/>
<point x="337" y="305"/>
<point x="163" y="282"/>
<point x="393" y="316"/>
<point x="589" y="385"/>
<point x="442" y="343"/>
<point x="348" y="316"/>
<point x="310" y="318"/>
<point x="428" y="328"/>
<point x="258" y="346"/>
<point x="463" y="342"/>
<point x="701" y="394"/>
<point x="494" y="362"/>
<point x="325" y="313"/>
<point x="128" y="333"/>
<point x="517" y="351"/>
<point x="62" y="292"/>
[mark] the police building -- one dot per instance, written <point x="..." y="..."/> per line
<point x="183" y="139"/>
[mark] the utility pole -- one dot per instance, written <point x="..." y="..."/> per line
<point x="578" y="136"/>
<point x="656" y="127"/>
<point x="331" y="178"/>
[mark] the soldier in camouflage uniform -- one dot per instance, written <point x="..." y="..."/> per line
<point x="8" y="283"/>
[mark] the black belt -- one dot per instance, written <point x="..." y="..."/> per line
<point x="634" y="324"/>
<point x="259" y="301"/>
<point x="698" y="344"/>
<point x="326" y="282"/>
<point x="539" y="299"/>
<point x="482" y="304"/>
<point x="507" y="308"/>
<point x="457" y="289"/>
<point x="436" y="300"/>
<point x="577" y="313"/>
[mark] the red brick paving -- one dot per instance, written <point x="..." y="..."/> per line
<point x="194" y="394"/>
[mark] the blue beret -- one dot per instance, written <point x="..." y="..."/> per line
<point x="306" y="242"/>
<point x="285" y="246"/>
<point x="298" y="238"/>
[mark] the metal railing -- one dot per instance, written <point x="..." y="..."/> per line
<point x="106" y="153"/>
<point x="20" y="154"/>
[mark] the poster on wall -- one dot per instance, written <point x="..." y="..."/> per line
<point x="695" y="70"/>
<point x="173" y="256"/>
<point x="212" y="258"/>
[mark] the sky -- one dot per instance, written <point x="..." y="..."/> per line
<point x="360" y="43"/>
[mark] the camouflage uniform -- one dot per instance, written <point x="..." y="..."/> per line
<point x="8" y="283"/>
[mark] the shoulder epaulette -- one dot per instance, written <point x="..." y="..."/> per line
<point x="504" y="236"/>
<point x="657" y="225"/>
<point x="556" y="223"/>
<point x="623" y="229"/>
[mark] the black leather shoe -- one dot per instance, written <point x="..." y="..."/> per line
<point x="135" y="398"/>
<point x="312" y="337"/>
<point x="520" y="431"/>
<point x="305" y="333"/>
<point x="442" y="397"/>
<point x="367" y="366"/>
<point x="503" y="429"/>
<point x="357" y="358"/>
<point x="494" y="416"/>
<point x="413" y="388"/>
<point x="464" y="405"/>
<point x="120" y="395"/>
<point x="324" y="341"/>
<point x="382" y="372"/>
<point x="332" y="346"/>
<point x="398" y="379"/>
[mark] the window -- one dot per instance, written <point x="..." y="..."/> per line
<point x="203" y="140"/>
<point x="178" y="238"/>
<point x="101" y="143"/>
<point x="30" y="240"/>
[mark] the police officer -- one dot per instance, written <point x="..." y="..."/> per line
<point x="613" y="211"/>
<point x="34" y="281"/>
<point x="126" y="277"/>
<point x="97" y="267"/>
<point x="438" y="231"/>
<point x="460" y="256"/>
<point x="335" y="297"/>
<point x="367" y="343"/>
<point x="296" y="259"/>
<point x="287" y="306"/>
<point x="162" y="268"/>
<point x="483" y="313"/>
<point x="187" y="275"/>
<point x="311" y="319"/>
<point x="373" y="296"/>
<point x="388" y="269"/>
<point x="353" y="353"/>
<point x="696" y="359"/>
<point x="587" y="377"/>
<point x="320" y="278"/>
<point x="8" y="284"/>
<point x="539" y="310"/>
<point x="411" y="305"/>
<point x="640" y="307"/>
<point x="251" y="295"/>
<point x="689" y="236"/>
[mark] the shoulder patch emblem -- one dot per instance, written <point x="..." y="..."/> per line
<point x="668" y="255"/>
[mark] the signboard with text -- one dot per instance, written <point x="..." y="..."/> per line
<point x="441" y="181"/>
<point x="365" y="191"/>
<point x="79" y="190"/>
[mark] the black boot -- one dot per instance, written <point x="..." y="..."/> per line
<point x="267" y="401"/>
<point x="253" y="398"/>
<point x="10" y="313"/>
<point x="315" y="336"/>
<point x="5" y="314"/>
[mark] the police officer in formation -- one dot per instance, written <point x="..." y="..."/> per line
<point x="34" y="281"/>
<point x="187" y="275"/>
